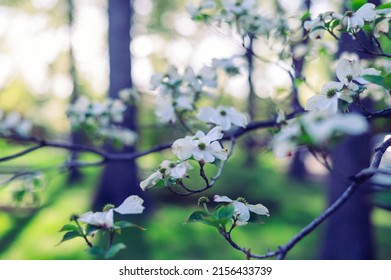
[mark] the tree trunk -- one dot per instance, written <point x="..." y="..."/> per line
<point x="349" y="233"/>
<point x="119" y="179"/>
<point x="76" y="137"/>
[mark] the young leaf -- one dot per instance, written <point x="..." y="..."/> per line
<point x="69" y="227"/>
<point x="356" y="4"/>
<point x="223" y="214"/>
<point x="114" y="250"/>
<point x="203" y="217"/>
<point x="384" y="6"/>
<point x="378" y="80"/>
<point x="69" y="235"/>
<point x="387" y="81"/>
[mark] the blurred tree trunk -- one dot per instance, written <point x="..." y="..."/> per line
<point x="349" y="232"/>
<point x="119" y="179"/>
<point x="251" y="103"/>
<point x="297" y="169"/>
<point x="76" y="137"/>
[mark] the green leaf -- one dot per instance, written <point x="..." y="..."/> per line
<point x="384" y="6"/>
<point x="378" y="80"/>
<point x="70" y="235"/>
<point x="126" y="224"/>
<point x="334" y="24"/>
<point x="317" y="28"/>
<point x="114" y="250"/>
<point x="224" y="213"/>
<point x="197" y="216"/>
<point x="160" y="184"/>
<point x="298" y="82"/>
<point x="387" y="81"/>
<point x="305" y="16"/>
<point x="203" y="217"/>
<point x="356" y="4"/>
<point x="69" y="227"/>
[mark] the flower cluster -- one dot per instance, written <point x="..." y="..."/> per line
<point x="86" y="112"/>
<point x="351" y="81"/>
<point x="244" y="14"/>
<point x="314" y="129"/>
<point x="100" y="118"/>
<point x="350" y="21"/>
<point x="179" y="92"/>
<point x="13" y="123"/>
<point x="199" y="147"/>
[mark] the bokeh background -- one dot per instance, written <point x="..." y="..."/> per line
<point x="52" y="51"/>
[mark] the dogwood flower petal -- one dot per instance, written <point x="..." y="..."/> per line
<point x="151" y="180"/>
<point x="131" y="205"/>
<point x="100" y="219"/>
<point x="182" y="148"/>
<point x="258" y="209"/>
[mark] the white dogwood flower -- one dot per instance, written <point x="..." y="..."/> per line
<point x="166" y="169"/>
<point x="321" y="126"/>
<point x="222" y="116"/>
<point x="353" y="21"/>
<point x="203" y="148"/>
<point x="242" y="210"/>
<point x="327" y="100"/>
<point x="316" y="128"/>
<point x="105" y="219"/>
<point x="349" y="73"/>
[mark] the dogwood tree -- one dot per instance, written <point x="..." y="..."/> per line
<point x="187" y="97"/>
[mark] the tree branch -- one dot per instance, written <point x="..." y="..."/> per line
<point x="358" y="179"/>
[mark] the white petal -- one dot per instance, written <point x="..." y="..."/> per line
<point x="206" y="114"/>
<point x="218" y="151"/>
<point x="347" y="68"/>
<point x="151" y="180"/>
<point x="189" y="75"/>
<point x="218" y="198"/>
<point x="222" y="121"/>
<point x="208" y="156"/>
<point x="156" y="80"/>
<point x="180" y="171"/>
<point x="132" y="205"/>
<point x="237" y="118"/>
<point x="367" y="12"/>
<point x="258" y="209"/>
<point x="242" y="211"/>
<point x="101" y="219"/>
<point x="353" y="124"/>
<point x="215" y="133"/>
<point x="182" y="148"/>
